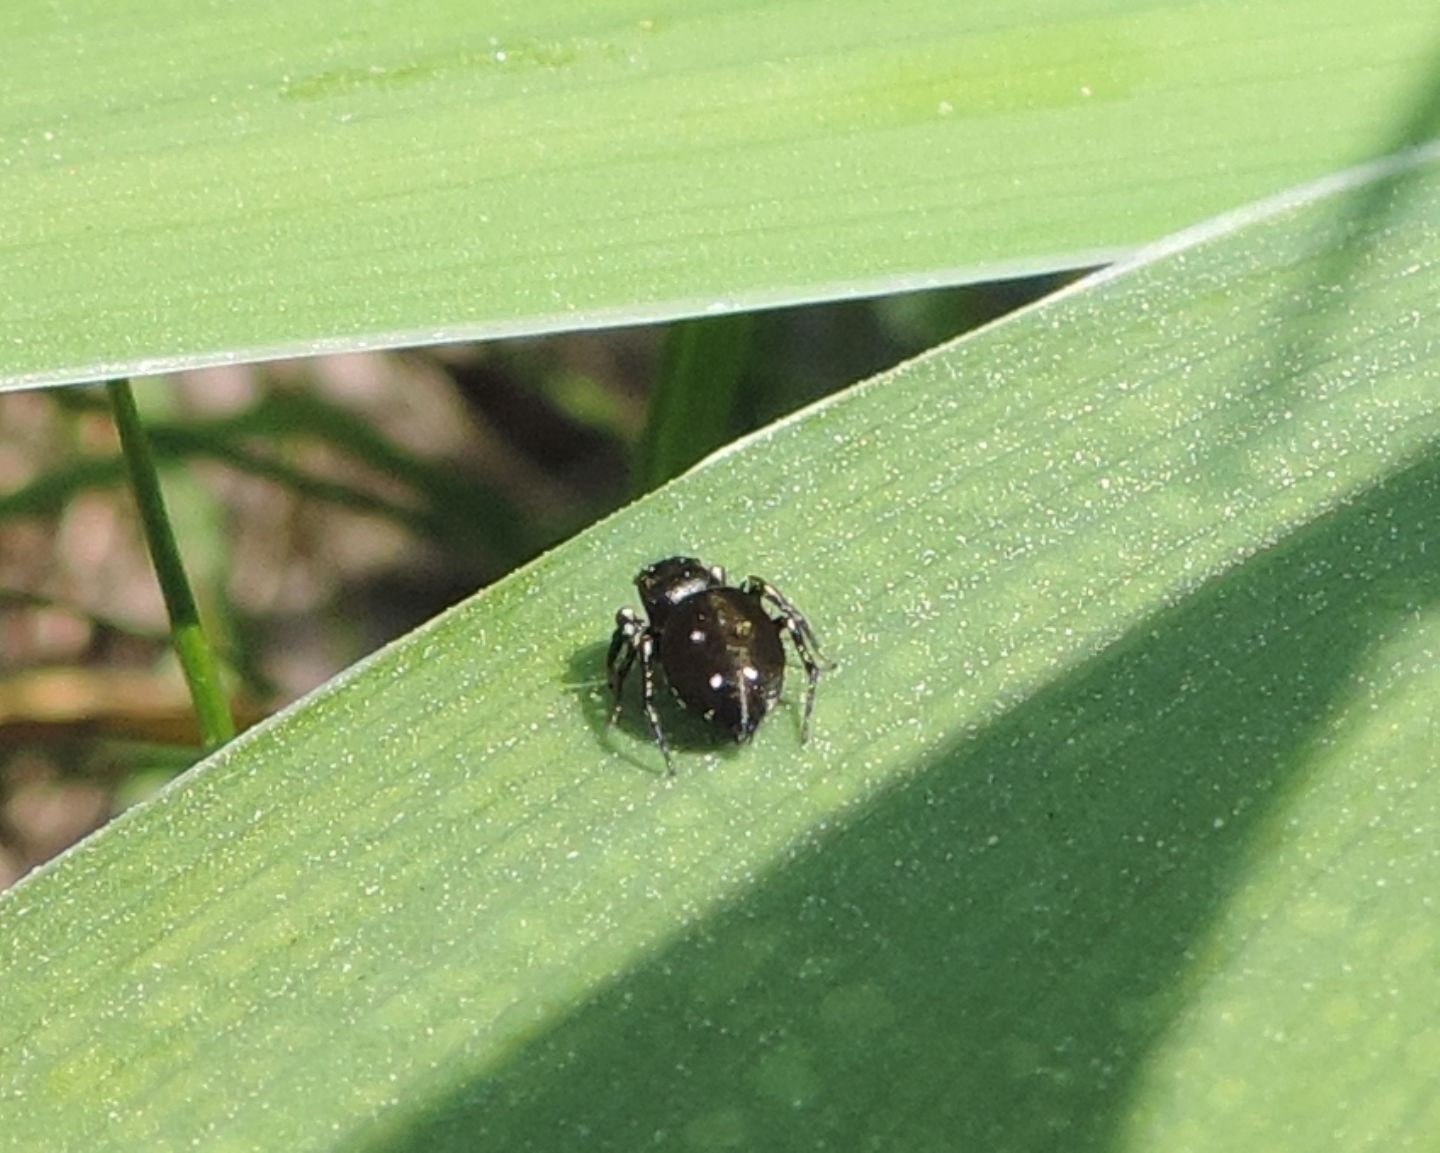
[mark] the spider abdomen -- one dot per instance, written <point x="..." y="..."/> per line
<point x="723" y="659"/>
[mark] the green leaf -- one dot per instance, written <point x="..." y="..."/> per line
<point x="192" y="644"/>
<point x="190" y="184"/>
<point x="1117" y="829"/>
<point x="693" y="405"/>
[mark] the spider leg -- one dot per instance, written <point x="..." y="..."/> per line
<point x="802" y="636"/>
<point x="632" y="639"/>
<point x="622" y="653"/>
<point x="647" y="669"/>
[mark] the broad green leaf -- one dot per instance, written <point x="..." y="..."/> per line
<point x="184" y="184"/>
<point x="1117" y="830"/>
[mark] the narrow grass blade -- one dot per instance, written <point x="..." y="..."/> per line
<point x="192" y="645"/>
<point x="693" y="408"/>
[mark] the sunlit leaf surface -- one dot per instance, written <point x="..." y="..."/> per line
<point x="1119" y="827"/>
<point x="184" y="184"/>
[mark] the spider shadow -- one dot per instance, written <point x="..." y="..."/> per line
<point x="588" y="679"/>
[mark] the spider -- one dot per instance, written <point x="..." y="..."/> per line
<point x="718" y="647"/>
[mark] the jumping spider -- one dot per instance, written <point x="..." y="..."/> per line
<point x="720" y="650"/>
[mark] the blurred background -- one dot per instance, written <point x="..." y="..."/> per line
<point x="327" y="506"/>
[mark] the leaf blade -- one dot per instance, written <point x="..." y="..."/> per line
<point x="1075" y="571"/>
<point x="458" y="172"/>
